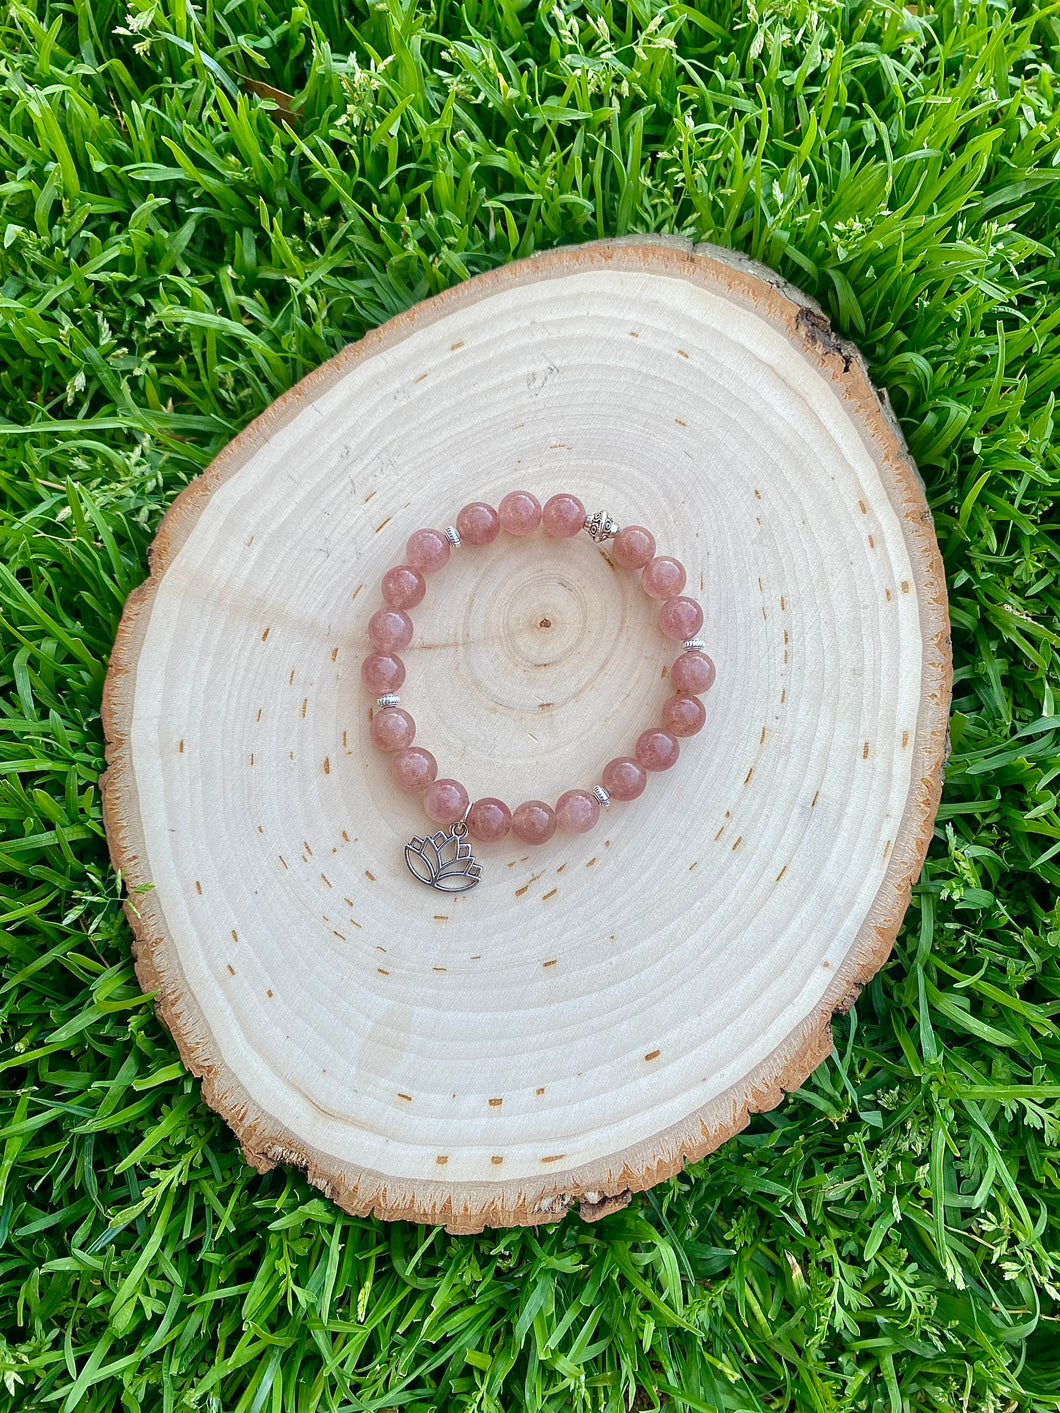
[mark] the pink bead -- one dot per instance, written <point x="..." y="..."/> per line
<point x="663" y="577"/>
<point x="403" y="586"/>
<point x="393" y="729"/>
<point x="577" y="811"/>
<point x="445" y="801"/>
<point x="633" y="547"/>
<point x="427" y="550"/>
<point x="534" y="822"/>
<point x="478" y="523"/>
<point x="623" y="778"/>
<point x="414" y="769"/>
<point x="382" y="672"/>
<point x="489" y="820"/>
<point x="520" y="513"/>
<point x="390" y="630"/>
<point x="680" y="618"/>
<point x="563" y="516"/>
<point x="683" y="716"/>
<point x="657" y="749"/>
<point x="692" y="672"/>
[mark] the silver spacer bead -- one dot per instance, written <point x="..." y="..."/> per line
<point x="694" y="645"/>
<point x="452" y="534"/>
<point x="388" y="699"/>
<point x="602" y="795"/>
<point x="601" y="526"/>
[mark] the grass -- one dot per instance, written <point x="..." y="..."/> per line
<point x="171" y="258"/>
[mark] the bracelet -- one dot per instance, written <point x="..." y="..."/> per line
<point x="444" y="860"/>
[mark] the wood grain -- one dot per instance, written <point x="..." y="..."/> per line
<point x="603" y="1009"/>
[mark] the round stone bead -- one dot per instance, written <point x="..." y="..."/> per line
<point x="382" y="672"/>
<point x="656" y="749"/>
<point x="390" y="630"/>
<point x="403" y="586"/>
<point x="520" y="513"/>
<point x="414" y="769"/>
<point x="577" y="811"/>
<point x="563" y="516"/>
<point x="680" y="619"/>
<point x="489" y="820"/>
<point x="445" y="801"/>
<point x="623" y="778"/>
<point x="682" y="715"/>
<point x="478" y="523"/>
<point x="534" y="822"/>
<point x="393" y="729"/>
<point x="692" y="672"/>
<point x="633" y="547"/>
<point x="427" y="550"/>
<point x="663" y="578"/>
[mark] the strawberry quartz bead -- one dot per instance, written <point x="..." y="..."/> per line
<point x="520" y="513"/>
<point x="577" y="811"/>
<point x="633" y="547"/>
<point x="489" y="820"/>
<point x="445" y="801"/>
<point x="534" y="822"/>
<point x="478" y="523"/>
<point x="382" y="672"/>
<point x="683" y="716"/>
<point x="403" y="586"/>
<point x="663" y="578"/>
<point x="563" y="516"/>
<point x="656" y="749"/>
<point x="680" y="619"/>
<point x="414" y="769"/>
<point x="390" y="630"/>
<point x="393" y="729"/>
<point x="427" y="551"/>
<point x="623" y="778"/>
<point x="692" y="672"/>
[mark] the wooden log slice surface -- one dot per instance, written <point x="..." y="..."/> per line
<point x="600" y="1010"/>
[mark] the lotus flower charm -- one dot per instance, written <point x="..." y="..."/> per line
<point x="444" y="860"/>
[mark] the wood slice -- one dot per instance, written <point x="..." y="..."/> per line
<point x="600" y="1010"/>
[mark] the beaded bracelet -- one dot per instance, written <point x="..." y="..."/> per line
<point x="444" y="860"/>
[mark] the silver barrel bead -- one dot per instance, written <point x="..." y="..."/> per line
<point x="600" y="526"/>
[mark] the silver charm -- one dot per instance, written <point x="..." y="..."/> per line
<point x="601" y="526"/>
<point x="444" y="860"/>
